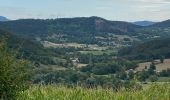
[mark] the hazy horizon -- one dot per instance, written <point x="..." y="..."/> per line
<point x="129" y="10"/>
<point x="82" y="17"/>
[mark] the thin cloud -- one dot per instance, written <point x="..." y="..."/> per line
<point x="150" y="4"/>
<point x="155" y="1"/>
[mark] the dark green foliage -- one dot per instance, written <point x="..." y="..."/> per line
<point x="126" y="39"/>
<point x="106" y="68"/>
<point x="153" y="78"/>
<point x="142" y="76"/>
<point x="117" y="84"/>
<point x="14" y="73"/>
<point x="121" y="75"/>
<point x="165" y="73"/>
<point x="152" y="66"/>
<point x="33" y="50"/>
<point x="151" y="49"/>
<point x="132" y="85"/>
<point x="127" y="64"/>
<point x="152" y="69"/>
<point x="162" y="59"/>
<point x="67" y="77"/>
<point x="91" y="82"/>
<point x="88" y="68"/>
<point x="131" y="75"/>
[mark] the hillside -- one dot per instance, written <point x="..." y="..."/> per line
<point x="29" y="49"/>
<point x="92" y="30"/>
<point x="2" y="19"/>
<point x="144" y="23"/>
<point x="163" y="24"/>
<point x="151" y="49"/>
<point x="69" y="26"/>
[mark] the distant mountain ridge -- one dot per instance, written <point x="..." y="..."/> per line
<point x="2" y="18"/>
<point x="144" y="23"/>
<point x="163" y="24"/>
<point x="79" y="25"/>
<point x="83" y="29"/>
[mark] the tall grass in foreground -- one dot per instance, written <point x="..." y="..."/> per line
<point x="52" y="92"/>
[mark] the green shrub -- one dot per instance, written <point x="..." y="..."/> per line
<point x="14" y="73"/>
<point x="153" y="78"/>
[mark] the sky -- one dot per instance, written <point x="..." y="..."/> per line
<point x="122" y="10"/>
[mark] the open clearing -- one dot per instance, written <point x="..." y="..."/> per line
<point x="60" y="45"/>
<point x="48" y="44"/>
<point x="81" y="65"/>
<point x="159" y="66"/>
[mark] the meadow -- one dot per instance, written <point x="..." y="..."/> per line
<point x="53" y="92"/>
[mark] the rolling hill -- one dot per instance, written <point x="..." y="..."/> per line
<point x="148" y="50"/>
<point x="76" y="26"/>
<point x="144" y="23"/>
<point x="88" y="28"/>
<point x="27" y="48"/>
<point x="163" y="24"/>
<point x="2" y="19"/>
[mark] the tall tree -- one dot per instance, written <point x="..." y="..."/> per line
<point x="14" y="73"/>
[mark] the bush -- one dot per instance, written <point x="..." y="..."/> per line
<point x="162" y="58"/>
<point x="153" y="78"/>
<point x="106" y="68"/>
<point x="14" y="73"/>
<point x="165" y="73"/>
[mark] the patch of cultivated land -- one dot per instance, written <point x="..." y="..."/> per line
<point x="81" y="65"/>
<point x="60" y="45"/>
<point x="159" y="66"/>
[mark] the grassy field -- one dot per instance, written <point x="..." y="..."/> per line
<point x="159" y="66"/>
<point x="53" y="92"/>
<point x="60" y="45"/>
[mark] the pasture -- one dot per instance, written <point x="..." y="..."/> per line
<point x="159" y="66"/>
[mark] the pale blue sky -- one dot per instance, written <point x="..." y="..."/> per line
<point x="125" y="10"/>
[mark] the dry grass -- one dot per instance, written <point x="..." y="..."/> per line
<point x="60" y="45"/>
<point x="81" y="65"/>
<point x="159" y="66"/>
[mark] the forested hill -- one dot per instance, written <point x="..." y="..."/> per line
<point x="81" y="25"/>
<point x="16" y="42"/>
<point x="144" y="23"/>
<point x="83" y="29"/>
<point x="2" y="18"/>
<point x="151" y="49"/>
<point x="27" y="48"/>
<point x="163" y="24"/>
